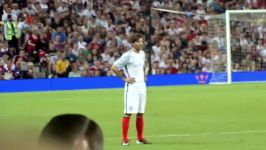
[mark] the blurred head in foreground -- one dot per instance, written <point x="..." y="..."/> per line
<point x="71" y="132"/>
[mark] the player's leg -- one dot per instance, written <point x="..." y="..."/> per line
<point x="140" y="119"/>
<point x="125" y="127"/>
<point x="129" y="108"/>
<point x="139" y="125"/>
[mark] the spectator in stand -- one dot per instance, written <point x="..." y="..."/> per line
<point x="101" y="30"/>
<point x="62" y="66"/>
<point x="2" y="70"/>
<point x="8" y="11"/>
<point x="61" y="34"/>
<point x="33" y="45"/>
<point x="11" y="33"/>
<point x="10" y="70"/>
<point x="75" y="70"/>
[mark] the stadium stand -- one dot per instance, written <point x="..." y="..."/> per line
<point x="82" y="38"/>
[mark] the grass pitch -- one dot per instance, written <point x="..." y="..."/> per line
<point x="212" y="117"/>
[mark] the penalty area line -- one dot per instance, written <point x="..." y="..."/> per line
<point x="200" y="134"/>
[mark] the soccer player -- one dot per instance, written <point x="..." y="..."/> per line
<point x="132" y="63"/>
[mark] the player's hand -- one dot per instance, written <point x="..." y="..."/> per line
<point x="130" y="80"/>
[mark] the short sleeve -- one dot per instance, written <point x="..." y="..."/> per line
<point x="122" y="61"/>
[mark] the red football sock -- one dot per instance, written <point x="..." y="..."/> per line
<point x="125" y="126"/>
<point x="140" y="125"/>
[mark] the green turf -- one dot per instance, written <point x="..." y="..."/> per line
<point x="214" y="117"/>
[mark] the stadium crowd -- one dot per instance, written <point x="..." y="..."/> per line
<point x="82" y="38"/>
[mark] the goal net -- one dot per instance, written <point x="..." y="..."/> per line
<point x="217" y="48"/>
<point x="246" y="44"/>
<point x="234" y="42"/>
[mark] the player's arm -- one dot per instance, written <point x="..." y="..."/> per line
<point x="145" y="75"/>
<point x="144" y="69"/>
<point x="118" y="72"/>
<point x="121" y="75"/>
<point x="120" y="63"/>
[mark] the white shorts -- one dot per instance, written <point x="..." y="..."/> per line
<point x="134" y="99"/>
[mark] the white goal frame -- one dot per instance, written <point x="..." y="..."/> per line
<point x="228" y="38"/>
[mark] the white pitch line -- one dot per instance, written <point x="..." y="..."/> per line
<point x="200" y="134"/>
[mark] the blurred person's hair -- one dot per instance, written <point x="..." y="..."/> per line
<point x="71" y="132"/>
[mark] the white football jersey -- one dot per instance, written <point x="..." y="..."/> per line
<point x="133" y="65"/>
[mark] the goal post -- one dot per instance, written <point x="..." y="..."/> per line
<point x="245" y="52"/>
<point x="228" y="48"/>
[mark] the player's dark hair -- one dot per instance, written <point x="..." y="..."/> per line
<point x="63" y="129"/>
<point x="135" y="37"/>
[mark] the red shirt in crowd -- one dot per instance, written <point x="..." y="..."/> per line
<point x="24" y="58"/>
<point x="31" y="48"/>
<point x="94" y="45"/>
